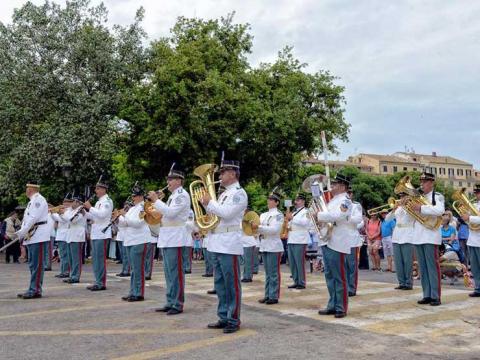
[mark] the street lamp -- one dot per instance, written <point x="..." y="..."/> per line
<point x="66" y="170"/>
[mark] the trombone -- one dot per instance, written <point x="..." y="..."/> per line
<point x="391" y="203"/>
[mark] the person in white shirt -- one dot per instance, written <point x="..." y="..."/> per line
<point x="271" y="247"/>
<point x="48" y="255"/>
<point x="473" y="243"/>
<point x="75" y="240"/>
<point x="151" y="248"/>
<point x="125" y="272"/>
<point x="35" y="234"/>
<point x="247" y="260"/>
<point x="136" y="237"/>
<point x="100" y="215"/>
<point x="338" y="246"/>
<point x="298" y="236"/>
<point x="173" y="236"/>
<point x="427" y="242"/>
<point x="225" y="244"/>
<point x="63" y="218"/>
<point x="356" y="222"/>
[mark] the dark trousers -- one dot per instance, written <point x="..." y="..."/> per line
<point x="12" y="251"/>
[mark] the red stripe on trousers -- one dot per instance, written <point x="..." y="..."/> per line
<point x="344" y="282"/>
<point x="357" y="250"/>
<point x="39" y="269"/>
<point x="180" y="276"/>
<point x="237" y="289"/>
<point x="279" y="274"/>
<point x="439" y="274"/>
<point x="152" y="256"/>
<point x="142" y="271"/>
<point x="104" y="279"/>
<point x="80" y="258"/>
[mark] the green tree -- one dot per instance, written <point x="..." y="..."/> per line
<point x="62" y="76"/>
<point x="200" y="96"/>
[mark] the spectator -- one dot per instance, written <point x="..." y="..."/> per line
<point x="449" y="234"/>
<point x="197" y="246"/>
<point x="12" y="225"/>
<point x="387" y="244"/>
<point x="462" y="233"/>
<point x="363" y="263"/>
<point x="374" y="240"/>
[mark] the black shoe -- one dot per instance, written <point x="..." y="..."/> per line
<point x="246" y="280"/>
<point x="148" y="278"/>
<point x="123" y="275"/>
<point x="163" y="309"/>
<point x="207" y="275"/>
<point x="135" y="298"/>
<point x="31" y="296"/>
<point x="474" y="294"/>
<point x="20" y="295"/>
<point x="118" y="262"/>
<point x="71" y="281"/>
<point x="255" y="273"/>
<point x="352" y="294"/>
<point x="435" y="302"/>
<point x="173" y="311"/>
<point x="424" y="301"/>
<point x="263" y="301"/>
<point x="294" y="286"/>
<point x="97" y="288"/>
<point x="125" y="298"/>
<point x="47" y="269"/>
<point x="400" y="287"/>
<point x="407" y="288"/>
<point x="340" y="314"/>
<point x="300" y="287"/>
<point x="59" y="276"/>
<point x="229" y="329"/>
<point x="188" y="271"/>
<point x="217" y="325"/>
<point x="326" y="312"/>
<point x="271" y="301"/>
<point x="211" y="292"/>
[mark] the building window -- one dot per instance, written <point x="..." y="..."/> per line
<point x="414" y="169"/>
<point x="435" y="171"/>
<point x="460" y="183"/>
<point x="469" y="184"/>
<point x="385" y="168"/>
<point x="469" y="173"/>
<point x="451" y="183"/>
<point x="450" y="172"/>
<point x="405" y="168"/>
<point x="395" y="169"/>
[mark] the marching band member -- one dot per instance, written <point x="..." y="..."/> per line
<point x="75" y="240"/>
<point x="173" y="236"/>
<point x="271" y="247"/>
<point x="62" y="218"/>
<point x="100" y="215"/>
<point x="187" y="251"/>
<point x="247" y="260"/>
<point x="136" y="236"/>
<point x="298" y="236"/>
<point x="47" y="262"/>
<point x="402" y="245"/>
<point x="35" y="234"/>
<point x="356" y="222"/>
<point x="226" y="247"/>
<point x="339" y="211"/>
<point x="125" y="272"/>
<point x="427" y="242"/>
<point x="473" y="244"/>
<point x="207" y="257"/>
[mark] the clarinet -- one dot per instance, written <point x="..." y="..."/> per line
<point x="125" y="208"/>
<point x="81" y="207"/>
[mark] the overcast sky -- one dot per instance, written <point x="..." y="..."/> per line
<point x="410" y="68"/>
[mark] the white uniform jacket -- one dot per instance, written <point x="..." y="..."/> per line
<point x="135" y="230"/>
<point x="62" y="224"/>
<point x="299" y="227"/>
<point x="474" y="236"/>
<point x="339" y="211"/>
<point x="422" y="235"/>
<point x="36" y="211"/>
<point x="355" y="219"/>
<point x="100" y="215"/>
<point x="403" y="231"/>
<point x="270" y="227"/>
<point x="174" y="231"/>
<point x="226" y="238"/>
<point x="77" y="229"/>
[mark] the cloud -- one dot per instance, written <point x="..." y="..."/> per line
<point x="409" y="67"/>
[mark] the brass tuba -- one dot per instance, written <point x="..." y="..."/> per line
<point x="314" y="185"/>
<point x="462" y="205"/>
<point x="414" y="197"/>
<point x="198" y="188"/>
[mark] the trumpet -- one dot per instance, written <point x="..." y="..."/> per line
<point x="56" y="209"/>
<point x="391" y="203"/>
<point x="161" y="193"/>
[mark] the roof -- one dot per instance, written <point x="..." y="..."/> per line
<point x="389" y="158"/>
<point x="436" y="159"/>
<point x="336" y="162"/>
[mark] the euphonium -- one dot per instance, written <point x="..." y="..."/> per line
<point x="414" y="197"/>
<point x="463" y="206"/>
<point x="198" y="188"/>
<point x="323" y="230"/>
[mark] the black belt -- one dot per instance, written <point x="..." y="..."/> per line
<point x="40" y="223"/>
